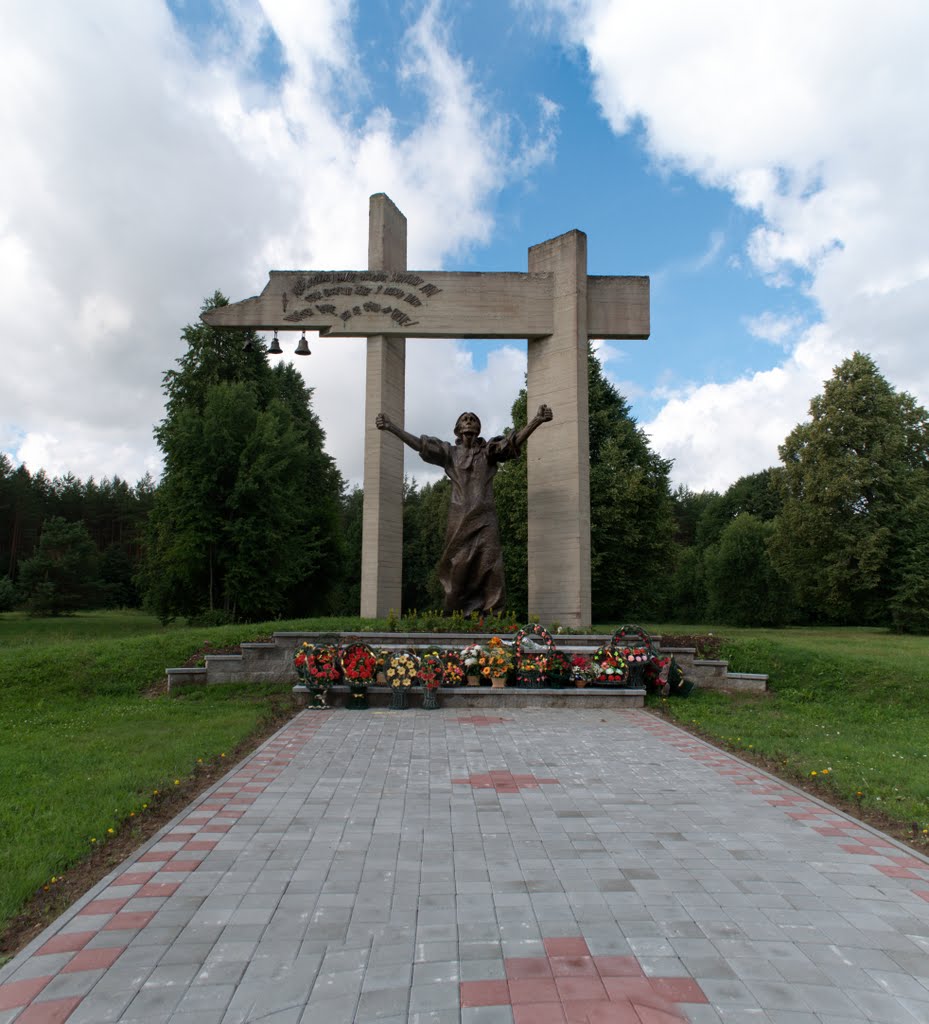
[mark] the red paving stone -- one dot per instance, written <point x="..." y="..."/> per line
<point x="93" y="959"/>
<point x="52" y="1011"/>
<point x="570" y="985"/>
<point x="67" y="942"/>
<point x="129" y="921"/>
<point x="103" y="906"/>
<point x="504" y="781"/>
<point x="181" y="865"/>
<point x="158" y="889"/>
<point x="21" y="993"/>
<point x="134" y="878"/>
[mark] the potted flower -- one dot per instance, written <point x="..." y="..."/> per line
<point x="496" y="662"/>
<point x="581" y="669"/>
<point x="401" y="671"/>
<point x="470" y="658"/>
<point x="431" y="673"/>
<point x="318" y="668"/>
<point x="359" y="666"/>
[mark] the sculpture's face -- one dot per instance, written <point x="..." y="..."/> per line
<point x="467" y="423"/>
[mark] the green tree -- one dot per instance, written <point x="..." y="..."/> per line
<point x="743" y="588"/>
<point x="63" y="575"/>
<point x="246" y="521"/>
<point x="909" y="606"/>
<point x="425" y="518"/>
<point x="848" y="476"/>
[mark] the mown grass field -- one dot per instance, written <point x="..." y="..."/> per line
<point x="84" y="744"/>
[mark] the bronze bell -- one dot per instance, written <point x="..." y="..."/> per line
<point x="303" y="349"/>
<point x="275" y="347"/>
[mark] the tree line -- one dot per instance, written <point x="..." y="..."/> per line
<point x="252" y="520"/>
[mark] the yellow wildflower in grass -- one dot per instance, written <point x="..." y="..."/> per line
<point x="111" y="831"/>
<point x="814" y="773"/>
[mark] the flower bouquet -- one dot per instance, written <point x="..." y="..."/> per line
<point x="495" y="662"/>
<point x="608" y="667"/>
<point x="454" y="668"/>
<point x="359" y="666"/>
<point x="431" y="674"/>
<point x="317" y="668"/>
<point x="401" y="671"/>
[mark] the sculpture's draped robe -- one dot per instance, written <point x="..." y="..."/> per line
<point x="471" y="566"/>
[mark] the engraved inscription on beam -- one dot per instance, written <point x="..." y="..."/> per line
<point x="432" y="304"/>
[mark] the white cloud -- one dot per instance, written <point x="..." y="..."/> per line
<point x="139" y="175"/>
<point x="813" y="116"/>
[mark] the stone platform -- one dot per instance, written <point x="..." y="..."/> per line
<point x="272" y="661"/>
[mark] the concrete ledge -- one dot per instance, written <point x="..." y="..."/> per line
<point x="486" y="698"/>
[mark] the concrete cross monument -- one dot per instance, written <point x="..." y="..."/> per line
<point x="556" y="306"/>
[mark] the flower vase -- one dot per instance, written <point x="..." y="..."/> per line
<point x="357" y="696"/>
<point x="381" y="678"/>
<point x="430" y="698"/>
<point x="498" y="682"/>
<point x="474" y="680"/>
<point x="398" y="699"/>
<point x="580" y="682"/>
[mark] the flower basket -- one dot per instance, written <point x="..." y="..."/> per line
<point x="559" y="671"/>
<point x="317" y="668"/>
<point x="402" y="668"/>
<point x="534" y="648"/>
<point x="608" y="668"/>
<point x="642" y="656"/>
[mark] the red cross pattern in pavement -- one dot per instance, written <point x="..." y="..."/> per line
<point x="504" y="782"/>
<point x="483" y="720"/>
<point x="570" y="986"/>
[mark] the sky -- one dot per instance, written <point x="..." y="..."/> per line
<point x="764" y="164"/>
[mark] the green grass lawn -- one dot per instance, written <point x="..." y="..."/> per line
<point x="851" y="705"/>
<point x="84" y="745"/>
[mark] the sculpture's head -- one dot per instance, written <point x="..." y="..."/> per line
<point x="467" y="422"/>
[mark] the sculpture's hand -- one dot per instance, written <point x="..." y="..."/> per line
<point x="382" y="422"/>
<point x="544" y="414"/>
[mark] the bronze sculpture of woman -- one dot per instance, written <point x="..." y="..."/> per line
<point x="471" y="566"/>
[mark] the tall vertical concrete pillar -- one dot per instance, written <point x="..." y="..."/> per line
<point x="558" y="459"/>
<point x="382" y="527"/>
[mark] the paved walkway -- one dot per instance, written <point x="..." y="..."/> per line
<point x="541" y="866"/>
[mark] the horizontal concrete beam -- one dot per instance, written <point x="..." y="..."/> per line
<point x="430" y="304"/>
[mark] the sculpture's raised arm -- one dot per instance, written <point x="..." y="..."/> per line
<point x="544" y="415"/>
<point x="383" y="422"/>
